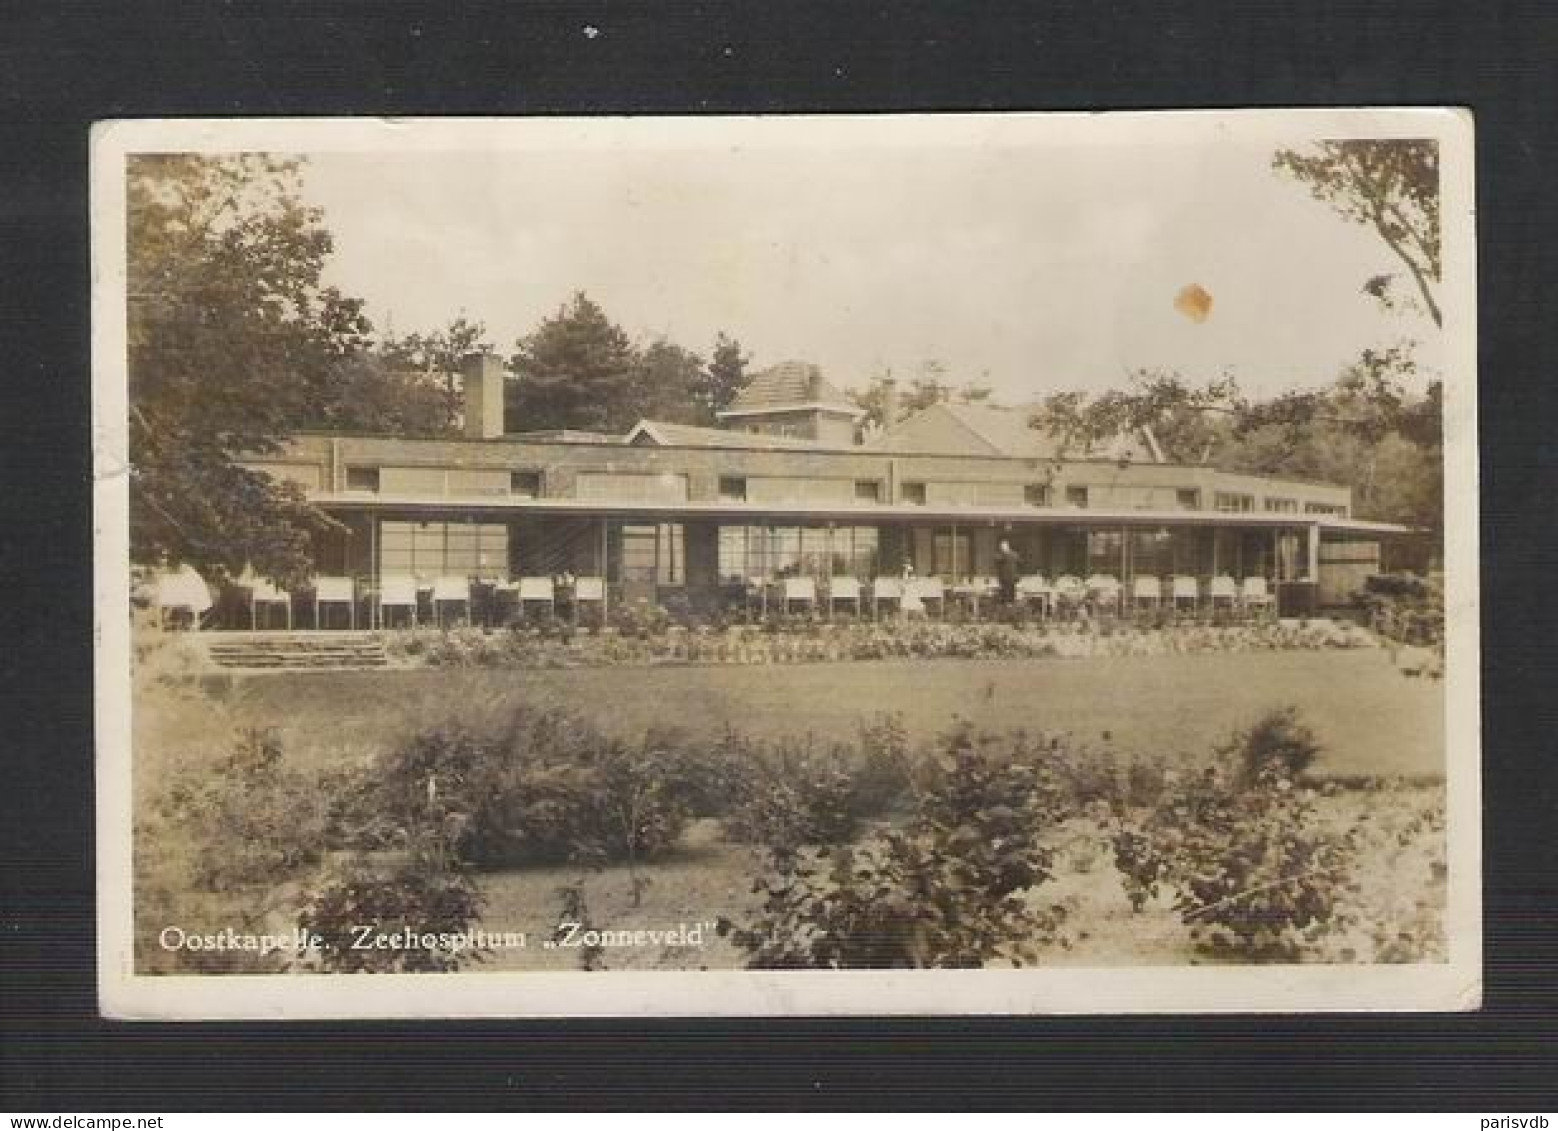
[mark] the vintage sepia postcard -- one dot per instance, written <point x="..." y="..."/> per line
<point x="959" y="563"/>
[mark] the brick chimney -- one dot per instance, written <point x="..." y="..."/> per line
<point x="482" y="374"/>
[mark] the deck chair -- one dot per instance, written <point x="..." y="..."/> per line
<point x="1034" y="590"/>
<point x="1186" y="590"/>
<point x="1069" y="592"/>
<point x="589" y="591"/>
<point x="797" y="589"/>
<point x="888" y="589"/>
<point x="844" y="589"/>
<point x="537" y="591"/>
<point x="1223" y="593"/>
<point x="334" y="591"/>
<point x="1104" y="590"/>
<point x="397" y="591"/>
<point x="450" y="591"/>
<point x="932" y="591"/>
<point x="1147" y="591"/>
<point x="267" y="594"/>
<point x="1253" y="594"/>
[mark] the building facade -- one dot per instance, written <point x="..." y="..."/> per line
<point x="787" y="488"/>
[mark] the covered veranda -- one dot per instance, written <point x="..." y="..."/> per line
<point x="498" y="557"/>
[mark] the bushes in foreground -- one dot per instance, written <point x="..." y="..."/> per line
<point x="876" y="856"/>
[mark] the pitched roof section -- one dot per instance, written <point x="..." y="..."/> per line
<point x="964" y="429"/>
<point x="788" y="385"/>
<point x="693" y="436"/>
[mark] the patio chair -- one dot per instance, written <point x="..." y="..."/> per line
<point x="1186" y="590"/>
<point x="1034" y="590"/>
<point x="932" y="591"/>
<point x="885" y="589"/>
<point x="334" y="591"/>
<point x="844" y="589"/>
<point x="537" y="591"/>
<point x="1254" y="595"/>
<point x="797" y="589"/>
<point x="1147" y="592"/>
<point x="450" y="591"/>
<point x="589" y="590"/>
<point x="1103" y="589"/>
<point x="1223" y="593"/>
<point x="397" y="591"/>
<point x="1069" y="592"/>
<point x="265" y="594"/>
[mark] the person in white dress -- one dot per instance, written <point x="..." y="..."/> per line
<point x="910" y="604"/>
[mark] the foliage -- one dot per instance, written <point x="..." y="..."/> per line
<point x="1391" y="185"/>
<point x="541" y="786"/>
<point x="1405" y="609"/>
<point x="1255" y="875"/>
<point x="430" y="363"/>
<point x="931" y="387"/>
<point x="722" y="379"/>
<point x="234" y="343"/>
<point x="950" y="889"/>
<point x="422" y="896"/>
<point x="575" y="370"/>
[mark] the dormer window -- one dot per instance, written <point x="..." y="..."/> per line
<point x="525" y="484"/>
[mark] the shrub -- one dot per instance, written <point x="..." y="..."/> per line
<point x="543" y="787"/>
<point x="953" y="889"/>
<point x="1277" y="742"/>
<point x="435" y="905"/>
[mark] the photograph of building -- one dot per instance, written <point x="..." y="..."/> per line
<point x="556" y="552"/>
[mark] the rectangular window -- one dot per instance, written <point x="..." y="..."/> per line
<point x="1234" y="502"/>
<point x="1036" y="495"/>
<point x="1282" y="506"/>
<point x="868" y="491"/>
<point x="525" y="484"/>
<point x="1326" y="508"/>
<point x="362" y="479"/>
<point x="914" y="494"/>
<point x="732" y="489"/>
<point x="1188" y="499"/>
<point x="1076" y="496"/>
<point x="436" y="549"/>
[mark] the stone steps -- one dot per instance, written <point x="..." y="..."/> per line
<point x="296" y="650"/>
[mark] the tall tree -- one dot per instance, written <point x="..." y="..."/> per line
<point x="576" y="370"/>
<point x="233" y="343"/>
<point x="1391" y="185"/>
<point x="667" y="383"/>
<point x="723" y="378"/>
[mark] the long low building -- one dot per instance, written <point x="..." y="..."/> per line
<point x="787" y="488"/>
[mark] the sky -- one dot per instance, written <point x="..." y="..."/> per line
<point x="1030" y="267"/>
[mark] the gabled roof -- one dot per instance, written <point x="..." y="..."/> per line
<point x="694" y="436"/>
<point x="976" y="429"/>
<point x="790" y="385"/>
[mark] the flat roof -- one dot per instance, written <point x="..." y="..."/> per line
<point x="848" y="512"/>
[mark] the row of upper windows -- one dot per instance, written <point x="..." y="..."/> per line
<point x="667" y="487"/>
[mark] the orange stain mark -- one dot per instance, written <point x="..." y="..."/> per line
<point x="1194" y="302"/>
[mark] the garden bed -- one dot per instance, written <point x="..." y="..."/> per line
<point x="561" y="646"/>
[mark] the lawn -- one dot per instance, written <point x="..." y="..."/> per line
<point x="1371" y="719"/>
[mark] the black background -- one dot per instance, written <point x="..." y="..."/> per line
<point x="63" y="65"/>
